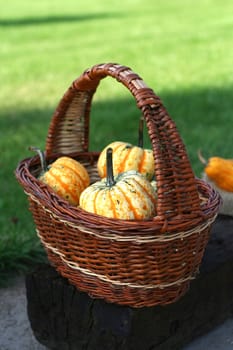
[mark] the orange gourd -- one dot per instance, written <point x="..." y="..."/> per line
<point x="66" y="176"/>
<point x="128" y="157"/>
<point x="219" y="171"/>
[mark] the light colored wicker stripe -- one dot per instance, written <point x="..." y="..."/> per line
<point x="75" y="266"/>
<point x="132" y="238"/>
<point x="149" y="239"/>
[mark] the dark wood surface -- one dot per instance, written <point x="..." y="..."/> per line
<point x="63" y="318"/>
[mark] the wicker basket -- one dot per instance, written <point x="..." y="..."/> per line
<point x="135" y="263"/>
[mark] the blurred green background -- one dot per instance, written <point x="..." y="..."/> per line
<point x="182" y="49"/>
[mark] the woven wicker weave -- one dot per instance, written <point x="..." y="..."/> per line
<point x="135" y="263"/>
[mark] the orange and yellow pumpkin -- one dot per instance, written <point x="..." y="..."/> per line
<point x="65" y="176"/>
<point x="127" y="157"/>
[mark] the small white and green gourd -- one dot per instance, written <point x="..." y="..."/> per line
<point x="128" y="195"/>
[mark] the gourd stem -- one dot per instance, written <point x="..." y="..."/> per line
<point x="110" y="178"/>
<point x="140" y="132"/>
<point x="42" y="157"/>
<point x="201" y="158"/>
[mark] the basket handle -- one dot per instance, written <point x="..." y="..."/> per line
<point x="68" y="132"/>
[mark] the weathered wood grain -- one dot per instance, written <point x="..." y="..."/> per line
<point x="63" y="318"/>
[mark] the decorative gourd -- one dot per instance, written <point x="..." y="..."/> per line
<point x="66" y="176"/>
<point x="219" y="171"/>
<point x="128" y="157"/>
<point x="128" y="195"/>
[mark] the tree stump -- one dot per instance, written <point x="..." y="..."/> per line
<point x="64" y="318"/>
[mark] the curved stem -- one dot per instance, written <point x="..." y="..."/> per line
<point x="110" y="178"/>
<point x="140" y="132"/>
<point x="42" y="157"/>
<point x="201" y="158"/>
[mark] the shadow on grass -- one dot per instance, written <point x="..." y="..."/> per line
<point x="28" y="21"/>
<point x="203" y="117"/>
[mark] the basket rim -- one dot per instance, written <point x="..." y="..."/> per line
<point x="62" y="210"/>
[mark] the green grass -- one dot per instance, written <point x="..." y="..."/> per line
<point x="183" y="50"/>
